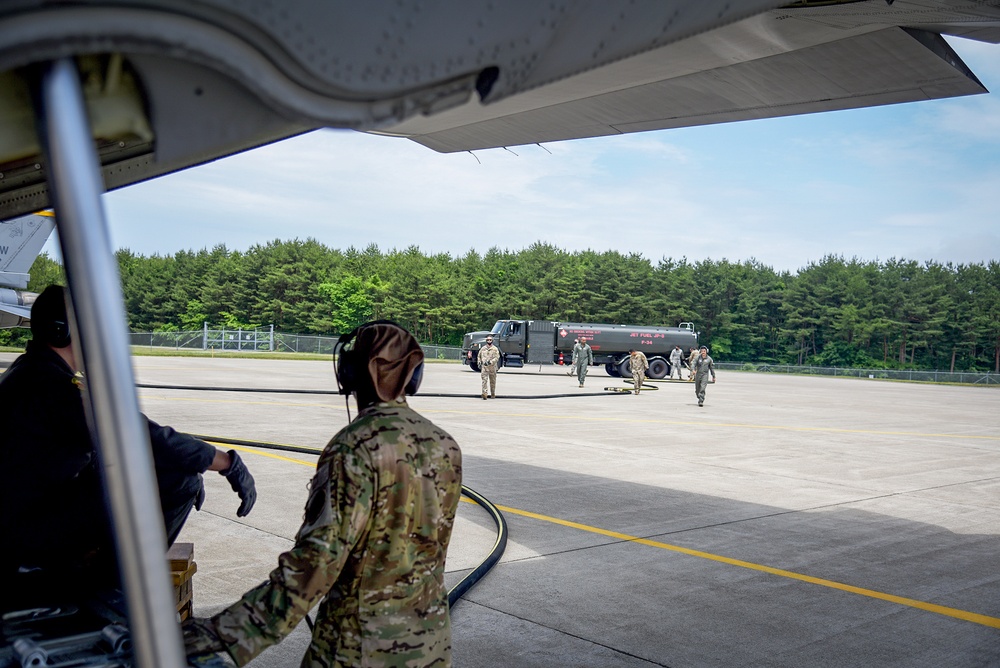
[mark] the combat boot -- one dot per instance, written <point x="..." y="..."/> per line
<point x="484" y="396"/>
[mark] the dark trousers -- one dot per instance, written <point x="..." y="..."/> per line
<point x="178" y="492"/>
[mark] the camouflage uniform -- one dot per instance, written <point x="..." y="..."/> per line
<point x="488" y="359"/>
<point x="583" y="360"/>
<point x="372" y="546"/>
<point x="638" y="364"/>
<point x="691" y="358"/>
<point x="703" y="366"/>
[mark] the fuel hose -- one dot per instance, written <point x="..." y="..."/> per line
<point x="263" y="390"/>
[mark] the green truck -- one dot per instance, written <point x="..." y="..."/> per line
<point x="547" y="342"/>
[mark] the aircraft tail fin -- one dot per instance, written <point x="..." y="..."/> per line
<point x="21" y="240"/>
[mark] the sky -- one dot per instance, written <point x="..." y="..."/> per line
<point x="916" y="181"/>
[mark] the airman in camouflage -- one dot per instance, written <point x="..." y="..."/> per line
<point x="703" y="366"/>
<point x="692" y="356"/>
<point x="488" y="360"/>
<point x="638" y="364"/>
<point x="371" y="549"/>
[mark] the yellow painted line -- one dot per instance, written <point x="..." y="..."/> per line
<point x="257" y="451"/>
<point x="974" y="617"/>
<point x="964" y="615"/>
<point x="735" y="425"/>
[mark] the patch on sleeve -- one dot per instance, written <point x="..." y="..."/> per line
<point x="318" y="510"/>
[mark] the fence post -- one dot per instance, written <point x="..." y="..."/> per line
<point x="204" y="335"/>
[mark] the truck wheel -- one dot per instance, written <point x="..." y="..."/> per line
<point x="624" y="368"/>
<point x="474" y="366"/>
<point x="658" y="368"/>
<point x="612" y="370"/>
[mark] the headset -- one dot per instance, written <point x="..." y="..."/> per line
<point x="347" y="365"/>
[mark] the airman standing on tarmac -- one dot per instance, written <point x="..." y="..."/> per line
<point x="703" y="366"/>
<point x="638" y="364"/>
<point x="488" y="360"/>
<point x="676" y="363"/>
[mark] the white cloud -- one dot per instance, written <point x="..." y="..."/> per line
<point x="906" y="181"/>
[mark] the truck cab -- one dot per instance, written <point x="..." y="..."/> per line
<point x="508" y="336"/>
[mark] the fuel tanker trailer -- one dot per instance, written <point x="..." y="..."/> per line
<point x="548" y="342"/>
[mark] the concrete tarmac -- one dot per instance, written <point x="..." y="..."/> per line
<point x="791" y="521"/>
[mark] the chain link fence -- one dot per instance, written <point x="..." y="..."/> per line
<point x="260" y="340"/>
<point x="964" y="377"/>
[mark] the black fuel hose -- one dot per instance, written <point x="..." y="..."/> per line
<point x="466" y="583"/>
<point x="194" y="388"/>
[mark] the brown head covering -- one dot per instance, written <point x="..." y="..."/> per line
<point x="392" y="353"/>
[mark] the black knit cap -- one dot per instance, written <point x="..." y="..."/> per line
<point x="49" y="323"/>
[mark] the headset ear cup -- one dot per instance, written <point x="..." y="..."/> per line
<point x="59" y="334"/>
<point x="414" y="383"/>
<point x="347" y="374"/>
<point x="344" y="362"/>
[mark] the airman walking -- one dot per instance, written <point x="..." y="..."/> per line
<point x="703" y="366"/>
<point x="638" y="364"/>
<point x="692" y="356"/>
<point x="583" y="360"/>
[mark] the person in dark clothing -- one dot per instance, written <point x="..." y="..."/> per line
<point x="53" y="509"/>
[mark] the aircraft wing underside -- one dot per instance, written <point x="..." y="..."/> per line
<point x="889" y="66"/>
<point x="169" y="85"/>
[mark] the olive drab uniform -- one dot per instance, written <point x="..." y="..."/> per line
<point x="372" y="546"/>
<point x="488" y="360"/>
<point x="703" y="367"/>
<point x="576" y="356"/>
<point x="638" y="364"/>
<point x="583" y="362"/>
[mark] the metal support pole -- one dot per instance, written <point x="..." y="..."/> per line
<point x="100" y="341"/>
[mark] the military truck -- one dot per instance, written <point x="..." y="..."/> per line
<point x="547" y="342"/>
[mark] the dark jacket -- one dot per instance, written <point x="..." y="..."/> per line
<point x="53" y="512"/>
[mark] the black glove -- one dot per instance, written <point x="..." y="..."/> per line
<point x="199" y="498"/>
<point x="242" y="483"/>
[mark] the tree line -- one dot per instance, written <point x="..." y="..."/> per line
<point x="834" y="312"/>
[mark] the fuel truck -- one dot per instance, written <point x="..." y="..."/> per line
<point x="546" y="342"/>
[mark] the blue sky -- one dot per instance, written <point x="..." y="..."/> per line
<point x="915" y="181"/>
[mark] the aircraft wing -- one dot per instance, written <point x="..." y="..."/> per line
<point x="21" y="240"/>
<point x="761" y="67"/>
<point x="16" y="310"/>
<point x="170" y="85"/>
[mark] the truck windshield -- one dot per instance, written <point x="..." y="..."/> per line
<point x="497" y="327"/>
